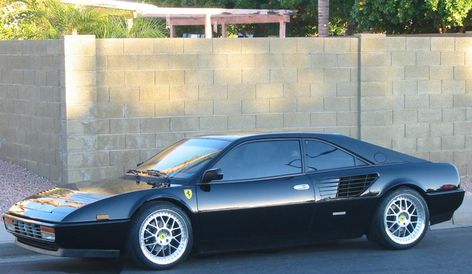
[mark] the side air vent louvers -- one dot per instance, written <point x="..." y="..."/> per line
<point x="354" y="186"/>
<point x="346" y="187"/>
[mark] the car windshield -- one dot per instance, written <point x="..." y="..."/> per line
<point x="184" y="158"/>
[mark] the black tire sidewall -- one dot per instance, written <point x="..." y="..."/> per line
<point x="378" y="232"/>
<point x="134" y="249"/>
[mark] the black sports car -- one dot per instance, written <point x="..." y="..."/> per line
<point x="229" y="192"/>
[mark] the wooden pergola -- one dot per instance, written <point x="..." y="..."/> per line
<point x="207" y="17"/>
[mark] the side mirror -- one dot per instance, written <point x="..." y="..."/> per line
<point x="212" y="175"/>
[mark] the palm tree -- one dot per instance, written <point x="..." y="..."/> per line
<point x="323" y="17"/>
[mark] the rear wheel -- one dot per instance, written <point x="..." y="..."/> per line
<point x="161" y="236"/>
<point x="401" y="220"/>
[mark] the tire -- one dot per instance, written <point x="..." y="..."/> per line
<point x="401" y="220"/>
<point x="160" y="236"/>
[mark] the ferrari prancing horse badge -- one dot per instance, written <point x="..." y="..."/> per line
<point x="188" y="193"/>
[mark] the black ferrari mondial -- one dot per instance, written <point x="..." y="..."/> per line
<point x="233" y="192"/>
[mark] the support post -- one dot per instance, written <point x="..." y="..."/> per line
<point x="282" y="29"/>
<point x="208" y="30"/>
<point x="172" y="31"/>
<point x="224" y="32"/>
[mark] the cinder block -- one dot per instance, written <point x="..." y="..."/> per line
<point x="183" y="92"/>
<point x="442" y="43"/>
<point x="138" y="46"/>
<point x="374" y="44"/>
<point x="323" y="119"/>
<point x="453" y="86"/>
<point x="212" y="92"/>
<point x="463" y="43"/>
<point x="241" y="91"/>
<point x="83" y="45"/>
<point x="229" y="107"/>
<point x="122" y="62"/>
<point x="452" y="142"/>
<point x="428" y="58"/>
<point x="418" y="43"/>
<point x="376" y="118"/>
<point x="124" y="126"/>
<point x="156" y="62"/>
<point x="170" y="108"/>
<point x="269" y="90"/>
<point x="170" y="46"/>
<point x="463" y="128"/>
<point x="166" y="139"/>
<point x="376" y="89"/>
<point x="347" y="118"/>
<point x="226" y="45"/>
<point x="337" y="45"/>
<point x="109" y="110"/>
<point x="140" y="141"/>
<point x="212" y="61"/>
<point x="154" y="125"/>
<point x="419" y="130"/>
<point x="184" y="124"/>
<point x="416" y="102"/>
<point x="297" y="120"/>
<point x="403" y="58"/>
<point x="396" y="43"/>
<point x="337" y="103"/>
<point x="441" y="72"/>
<point x="242" y="60"/>
<point x="452" y="58"/>
<point x="377" y="103"/>
<point x="462" y="73"/>
<point x="417" y="72"/>
<point x="286" y="75"/>
<point x="110" y="46"/>
<point x="348" y="59"/>
<point x="462" y="157"/>
<point x="298" y="60"/>
<point x="154" y="93"/>
<point x="283" y="45"/>
<point x="453" y="114"/>
<point x="228" y="76"/>
<point x="198" y="45"/>
<point x="406" y="87"/>
<point x="182" y="61"/>
<point x="139" y="78"/>
<point x="462" y="100"/>
<point x="110" y="142"/>
<point x="441" y="156"/>
<point x="429" y="87"/>
<point x="442" y="129"/>
<point x="269" y="61"/>
<point x="337" y="74"/>
<point x="170" y="77"/>
<point x="296" y="90"/>
<point x="405" y="116"/>
<point x="199" y="76"/>
<point x="214" y="123"/>
<point x="406" y="145"/>
<point x="140" y="110"/>
<point x="428" y="144"/>
<point x="269" y="121"/>
<point x="255" y="45"/>
<point x="310" y="45"/>
<point x="110" y="78"/>
<point x="441" y="101"/>
<point x="198" y="107"/>
<point x="375" y="59"/>
<point x="241" y="122"/>
<point x="282" y="105"/>
<point x="310" y="104"/>
<point x="255" y="106"/>
<point x="253" y="76"/>
<point x="321" y="60"/>
<point x="311" y="75"/>
<point x="429" y="115"/>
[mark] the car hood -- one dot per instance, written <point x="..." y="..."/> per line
<point x="56" y="203"/>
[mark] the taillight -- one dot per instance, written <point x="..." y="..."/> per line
<point x="448" y="187"/>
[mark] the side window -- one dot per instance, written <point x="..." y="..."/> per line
<point x="261" y="159"/>
<point x="320" y="156"/>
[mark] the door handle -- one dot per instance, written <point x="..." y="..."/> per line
<point x="301" y="187"/>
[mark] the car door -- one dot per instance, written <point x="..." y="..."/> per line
<point x="263" y="200"/>
<point x="343" y="207"/>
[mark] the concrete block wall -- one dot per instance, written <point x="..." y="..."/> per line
<point x="416" y="96"/>
<point x="31" y="88"/>
<point x="82" y="108"/>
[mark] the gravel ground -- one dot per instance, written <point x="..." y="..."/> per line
<point x="17" y="182"/>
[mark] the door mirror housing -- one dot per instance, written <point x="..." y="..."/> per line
<point x="212" y="175"/>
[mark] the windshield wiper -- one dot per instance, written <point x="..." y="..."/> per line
<point x="153" y="177"/>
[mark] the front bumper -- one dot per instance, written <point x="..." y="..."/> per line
<point x="68" y="252"/>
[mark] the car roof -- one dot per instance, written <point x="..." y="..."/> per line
<point x="266" y="135"/>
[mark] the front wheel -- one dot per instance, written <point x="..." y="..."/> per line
<point x="401" y="220"/>
<point x="160" y="236"/>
